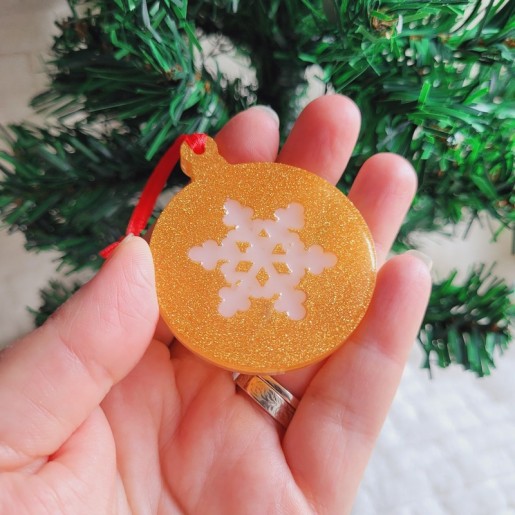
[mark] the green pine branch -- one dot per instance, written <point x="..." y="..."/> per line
<point x="135" y="65"/>
<point x="53" y="296"/>
<point x="72" y="193"/>
<point x="429" y="88"/>
<point x="468" y="324"/>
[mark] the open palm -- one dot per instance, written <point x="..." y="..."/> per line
<point x="97" y="420"/>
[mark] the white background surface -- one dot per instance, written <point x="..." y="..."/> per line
<point x="448" y="446"/>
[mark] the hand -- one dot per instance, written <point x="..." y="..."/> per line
<point x="102" y="413"/>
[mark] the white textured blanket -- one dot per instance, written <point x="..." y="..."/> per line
<point x="447" y="447"/>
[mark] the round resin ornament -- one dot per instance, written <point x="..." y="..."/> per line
<point x="261" y="268"/>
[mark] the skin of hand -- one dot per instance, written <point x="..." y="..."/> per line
<point x="102" y="412"/>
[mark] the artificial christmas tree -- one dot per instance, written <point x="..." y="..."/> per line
<point x="432" y="80"/>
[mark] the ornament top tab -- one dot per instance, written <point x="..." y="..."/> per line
<point x="261" y="268"/>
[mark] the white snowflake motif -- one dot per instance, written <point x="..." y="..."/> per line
<point x="262" y="259"/>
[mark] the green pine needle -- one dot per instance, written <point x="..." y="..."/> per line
<point x="55" y="294"/>
<point x="468" y="324"/>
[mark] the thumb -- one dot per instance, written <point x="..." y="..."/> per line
<point x="52" y="379"/>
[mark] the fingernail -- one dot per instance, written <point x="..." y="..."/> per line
<point x="270" y="112"/>
<point x="423" y="257"/>
<point x="127" y="238"/>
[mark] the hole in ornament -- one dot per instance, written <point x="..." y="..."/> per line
<point x="282" y="268"/>
<point x="278" y="249"/>
<point x="262" y="276"/>
<point x="243" y="266"/>
<point x="243" y="246"/>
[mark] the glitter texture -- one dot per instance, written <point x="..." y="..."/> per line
<point x="260" y="340"/>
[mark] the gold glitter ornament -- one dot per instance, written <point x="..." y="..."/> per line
<point x="261" y="268"/>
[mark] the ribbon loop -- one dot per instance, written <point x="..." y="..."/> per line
<point x="155" y="185"/>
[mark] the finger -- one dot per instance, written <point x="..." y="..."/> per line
<point x="323" y="137"/>
<point x="155" y="414"/>
<point x="332" y="434"/>
<point x="251" y="136"/>
<point x="83" y="471"/>
<point x="56" y="376"/>
<point x="321" y="141"/>
<point x="383" y="191"/>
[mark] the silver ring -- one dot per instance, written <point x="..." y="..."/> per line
<point x="276" y="400"/>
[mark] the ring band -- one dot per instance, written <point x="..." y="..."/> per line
<point x="276" y="400"/>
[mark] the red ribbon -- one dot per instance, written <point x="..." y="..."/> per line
<point x="155" y="185"/>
